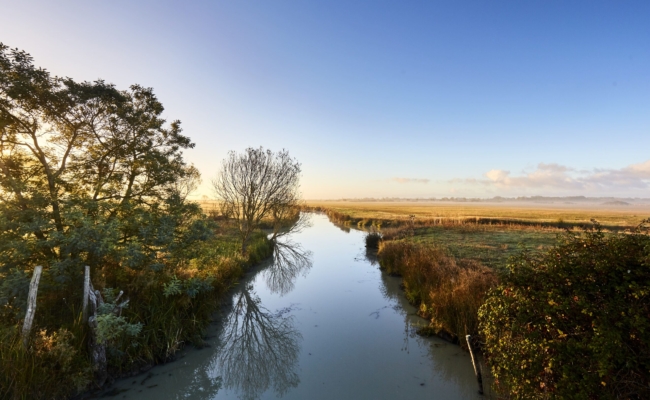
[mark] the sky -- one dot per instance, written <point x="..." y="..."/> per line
<point x="379" y="98"/>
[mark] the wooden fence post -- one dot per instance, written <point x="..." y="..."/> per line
<point x="31" y="303"/>
<point x="91" y="302"/>
<point x="477" y="369"/>
<point x="84" y="307"/>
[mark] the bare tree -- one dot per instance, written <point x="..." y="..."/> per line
<point x="257" y="184"/>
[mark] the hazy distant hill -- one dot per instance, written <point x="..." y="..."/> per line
<point x="610" y="201"/>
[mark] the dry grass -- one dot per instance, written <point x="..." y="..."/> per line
<point x="448" y="292"/>
<point x="628" y="216"/>
<point x="210" y="207"/>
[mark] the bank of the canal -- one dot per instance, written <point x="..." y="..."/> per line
<point x="320" y="322"/>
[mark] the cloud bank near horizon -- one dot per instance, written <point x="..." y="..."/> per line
<point x="560" y="177"/>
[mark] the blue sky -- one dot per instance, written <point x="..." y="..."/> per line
<point x="378" y="98"/>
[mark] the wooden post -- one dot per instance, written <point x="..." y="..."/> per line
<point x="477" y="369"/>
<point x="31" y="303"/>
<point x="97" y="348"/>
<point x="84" y="307"/>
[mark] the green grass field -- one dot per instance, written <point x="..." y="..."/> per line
<point x="491" y="245"/>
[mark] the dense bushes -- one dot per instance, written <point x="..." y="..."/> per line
<point x="573" y="322"/>
<point x="449" y="292"/>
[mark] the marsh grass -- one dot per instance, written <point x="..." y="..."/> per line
<point x="372" y="240"/>
<point x="536" y="215"/>
<point x="447" y="291"/>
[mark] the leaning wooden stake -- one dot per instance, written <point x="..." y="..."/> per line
<point x="477" y="370"/>
<point x="31" y="304"/>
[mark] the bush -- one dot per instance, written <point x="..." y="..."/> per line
<point x="449" y="292"/>
<point x="573" y="322"/>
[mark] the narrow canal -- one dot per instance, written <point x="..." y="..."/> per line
<point x="319" y="322"/>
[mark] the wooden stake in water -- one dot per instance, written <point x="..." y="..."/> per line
<point x="31" y="303"/>
<point x="477" y="370"/>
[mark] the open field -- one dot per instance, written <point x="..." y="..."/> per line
<point x="628" y="215"/>
<point x="503" y="229"/>
<point x="209" y="206"/>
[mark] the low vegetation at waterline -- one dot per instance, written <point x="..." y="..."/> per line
<point x="448" y="292"/>
<point x="574" y="321"/>
<point x="372" y="240"/>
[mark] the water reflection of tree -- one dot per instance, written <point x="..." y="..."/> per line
<point x="259" y="348"/>
<point x="289" y="261"/>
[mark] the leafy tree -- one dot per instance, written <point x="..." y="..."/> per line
<point x="89" y="175"/>
<point x="574" y="322"/>
<point x="255" y="185"/>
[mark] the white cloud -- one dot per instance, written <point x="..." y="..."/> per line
<point x="556" y="176"/>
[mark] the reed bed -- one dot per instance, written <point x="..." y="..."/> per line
<point x="447" y="291"/>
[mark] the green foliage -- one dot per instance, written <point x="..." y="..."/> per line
<point x="89" y="175"/>
<point x="573" y="322"/>
<point x="110" y="324"/>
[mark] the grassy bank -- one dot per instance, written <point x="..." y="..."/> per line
<point x="448" y="292"/>
<point x="170" y="307"/>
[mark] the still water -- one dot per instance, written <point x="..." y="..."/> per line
<point x="320" y="321"/>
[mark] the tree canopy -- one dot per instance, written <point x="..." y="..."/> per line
<point x="89" y="174"/>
